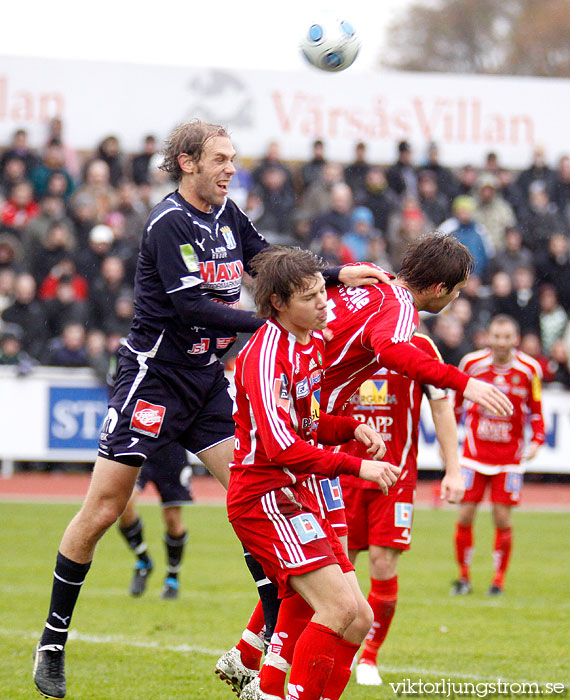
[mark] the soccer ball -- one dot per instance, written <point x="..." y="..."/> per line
<point x="331" y="45"/>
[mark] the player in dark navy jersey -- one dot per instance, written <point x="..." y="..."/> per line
<point x="170" y="384"/>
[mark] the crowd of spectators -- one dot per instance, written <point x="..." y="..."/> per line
<point x="70" y="226"/>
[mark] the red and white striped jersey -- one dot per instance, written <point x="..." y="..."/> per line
<point x="493" y="443"/>
<point x="390" y="404"/>
<point x="372" y="328"/>
<point x="278" y="418"/>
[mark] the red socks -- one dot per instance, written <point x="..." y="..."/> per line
<point x="501" y="554"/>
<point x="340" y="674"/>
<point x="382" y="598"/>
<point x="294" y="614"/>
<point x="250" y="645"/>
<point x="463" y="548"/>
<point x="313" y="662"/>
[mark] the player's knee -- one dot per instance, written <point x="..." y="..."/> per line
<point x="363" y="620"/>
<point x="340" y="612"/>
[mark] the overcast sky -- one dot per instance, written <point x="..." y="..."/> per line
<point x="246" y="34"/>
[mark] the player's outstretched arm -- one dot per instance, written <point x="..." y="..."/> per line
<point x="372" y="440"/>
<point x="361" y="275"/>
<point x="382" y="473"/>
<point x="452" y="484"/>
<point x="489" y="397"/>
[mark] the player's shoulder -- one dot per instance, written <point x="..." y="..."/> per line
<point x="425" y="343"/>
<point x="527" y="363"/>
<point x="477" y="357"/>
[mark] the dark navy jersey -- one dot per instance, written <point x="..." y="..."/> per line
<point x="189" y="271"/>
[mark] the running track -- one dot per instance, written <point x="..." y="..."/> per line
<point x="62" y="487"/>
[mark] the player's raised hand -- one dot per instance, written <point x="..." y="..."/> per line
<point x="382" y="473"/>
<point x="361" y="275"/>
<point x="371" y="440"/>
<point x="489" y="397"/>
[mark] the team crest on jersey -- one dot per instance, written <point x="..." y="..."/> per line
<point x="228" y="235"/>
<point x="373" y="392"/>
<point x="319" y="358"/>
<point x="147" y="418"/>
<point x="280" y="392"/>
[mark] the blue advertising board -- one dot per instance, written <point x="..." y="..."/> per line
<point x="75" y="416"/>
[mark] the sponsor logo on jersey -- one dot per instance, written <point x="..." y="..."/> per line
<point x="147" y="418"/>
<point x="200" y="348"/>
<point x="302" y="388"/>
<point x="221" y="272"/>
<point x="315" y="377"/>
<point x="403" y="514"/>
<point x="312" y="364"/>
<point x="307" y="528"/>
<point x="315" y="407"/>
<point x="223" y="343"/>
<point x="494" y="430"/>
<point x="189" y="257"/>
<point x="332" y="493"/>
<point x="513" y="483"/>
<point x="219" y="252"/>
<point x="356" y="298"/>
<point x="536" y="387"/>
<point x="228" y="235"/>
<point x="281" y="394"/>
<point x="373" y="392"/>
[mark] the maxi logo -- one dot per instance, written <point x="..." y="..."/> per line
<point x="220" y="272"/>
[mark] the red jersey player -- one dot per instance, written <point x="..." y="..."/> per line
<point x="494" y="447"/>
<point x="390" y="403"/>
<point x="323" y="616"/>
<point x="372" y="326"/>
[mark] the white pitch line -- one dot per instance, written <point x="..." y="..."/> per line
<point x="190" y="648"/>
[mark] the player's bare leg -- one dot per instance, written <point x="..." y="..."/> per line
<point x="464" y="547"/>
<point x="217" y="460"/>
<point x="502" y="547"/>
<point x="110" y="489"/>
<point x="383" y="568"/>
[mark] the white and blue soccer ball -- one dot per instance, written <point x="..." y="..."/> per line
<point x="331" y="44"/>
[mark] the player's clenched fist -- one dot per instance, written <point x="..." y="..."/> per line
<point x="382" y="473"/>
<point x="371" y="440"/>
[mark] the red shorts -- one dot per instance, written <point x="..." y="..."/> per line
<point x="375" y="519"/>
<point x="328" y="493"/>
<point x="283" y="530"/>
<point x="506" y="487"/>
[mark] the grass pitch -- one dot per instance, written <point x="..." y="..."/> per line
<point x="137" y="649"/>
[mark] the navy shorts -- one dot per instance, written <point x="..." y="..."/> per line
<point x="169" y="471"/>
<point x="154" y="404"/>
